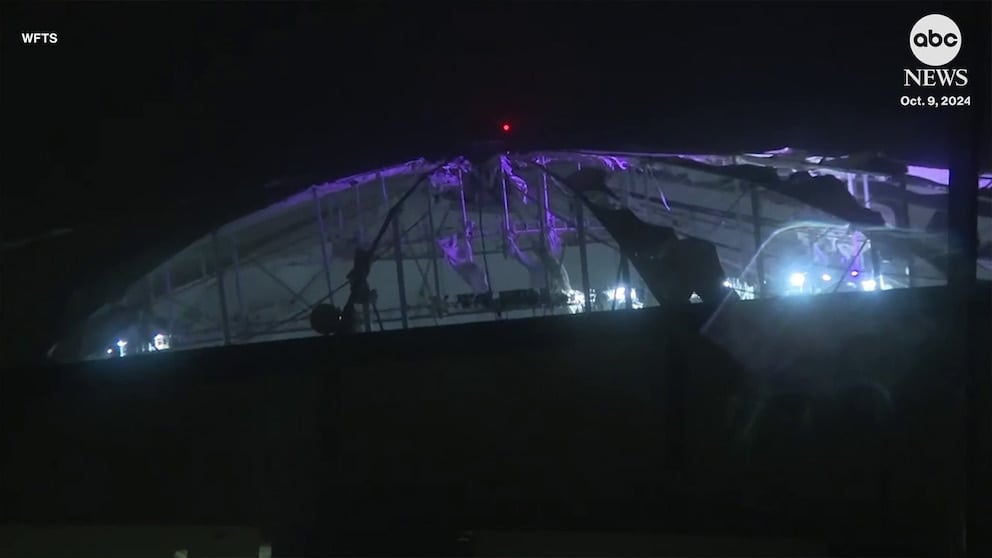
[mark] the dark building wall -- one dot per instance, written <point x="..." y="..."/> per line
<point x="813" y="409"/>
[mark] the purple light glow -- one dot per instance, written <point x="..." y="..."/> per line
<point x="612" y="161"/>
<point x="940" y="176"/>
<point x="943" y="176"/>
<point x="855" y="273"/>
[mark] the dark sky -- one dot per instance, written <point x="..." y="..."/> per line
<point x="148" y="118"/>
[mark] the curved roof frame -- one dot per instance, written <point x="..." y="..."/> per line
<point x="917" y="179"/>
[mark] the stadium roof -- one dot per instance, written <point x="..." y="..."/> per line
<point x="256" y="277"/>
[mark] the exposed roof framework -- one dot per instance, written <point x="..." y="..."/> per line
<point x="507" y="241"/>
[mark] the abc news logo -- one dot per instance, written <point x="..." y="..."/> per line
<point x="935" y="40"/>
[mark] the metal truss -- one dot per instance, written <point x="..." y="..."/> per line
<point x="522" y="203"/>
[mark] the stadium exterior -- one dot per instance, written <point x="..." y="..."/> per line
<point x="459" y="243"/>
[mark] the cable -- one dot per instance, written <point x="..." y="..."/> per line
<point x="294" y="317"/>
<point x="485" y="258"/>
<point x="567" y="220"/>
<point x="378" y="317"/>
<point x="359" y="274"/>
<point x="617" y="282"/>
<point x="849" y="266"/>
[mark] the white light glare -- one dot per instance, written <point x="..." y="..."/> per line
<point x="868" y="285"/>
<point x="797" y="279"/>
<point x="618" y="293"/>
<point x="576" y="301"/>
<point x="826" y="277"/>
<point x="161" y="342"/>
<point x="120" y="345"/>
<point x="744" y="290"/>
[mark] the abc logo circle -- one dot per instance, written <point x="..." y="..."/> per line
<point x="935" y="40"/>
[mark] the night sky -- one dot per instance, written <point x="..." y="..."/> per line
<point x="147" y="122"/>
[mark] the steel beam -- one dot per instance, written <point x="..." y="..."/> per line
<point x="239" y="292"/>
<point x="200" y="315"/>
<point x="432" y="240"/>
<point x="759" y="259"/>
<point x="168" y="293"/>
<point x="358" y="212"/>
<point x="225" y="325"/>
<point x="902" y="222"/>
<point x="625" y="281"/>
<point x="580" y="226"/>
<point x="545" y="243"/>
<point x="296" y="296"/>
<point x="400" y="276"/>
<point x="461" y="195"/>
<point x="323" y="246"/>
<point x="876" y="259"/>
<point x="967" y="144"/>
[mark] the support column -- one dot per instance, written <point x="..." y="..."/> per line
<point x="759" y="259"/>
<point x="237" y="284"/>
<point x="903" y="223"/>
<point x="506" y="204"/>
<point x="969" y="363"/>
<point x="625" y="281"/>
<point x="545" y="245"/>
<point x="172" y="302"/>
<point x="876" y="260"/>
<point x="358" y="212"/>
<point x="366" y="307"/>
<point x="852" y="189"/>
<point x="323" y="247"/>
<point x="461" y="196"/>
<point x="400" y="279"/>
<point x="866" y="191"/>
<point x="876" y="263"/>
<point x="485" y="257"/>
<point x="580" y="226"/>
<point x="432" y="240"/>
<point x="225" y="325"/>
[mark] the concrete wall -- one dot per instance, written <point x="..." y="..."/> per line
<point x="558" y="422"/>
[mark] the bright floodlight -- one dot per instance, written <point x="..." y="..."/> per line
<point x="826" y="277"/>
<point x="868" y="285"/>
<point x="576" y="301"/>
<point x="797" y="279"/>
<point x="619" y="293"/>
<point x="160" y="342"/>
<point x="120" y="345"/>
<point x="616" y="293"/>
